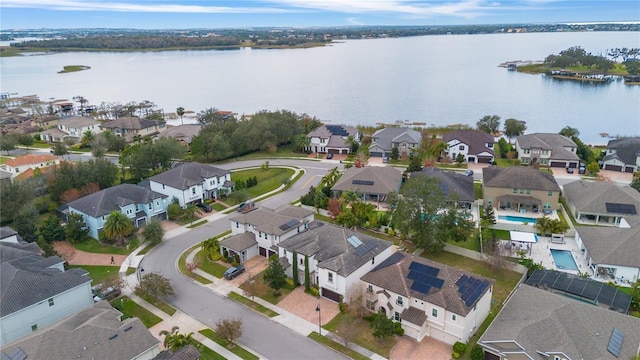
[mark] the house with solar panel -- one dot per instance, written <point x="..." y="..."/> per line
<point x="372" y="183"/>
<point x="429" y="299"/>
<point x="333" y="139"/>
<point x="543" y="325"/>
<point x="259" y="231"/>
<point x="608" y="228"/>
<point x="337" y="258"/>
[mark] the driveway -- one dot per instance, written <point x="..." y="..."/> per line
<point x="304" y="305"/>
<point x="408" y="349"/>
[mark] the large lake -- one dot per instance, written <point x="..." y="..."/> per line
<point x="438" y="80"/>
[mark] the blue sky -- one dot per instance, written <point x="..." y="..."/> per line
<point x="179" y="14"/>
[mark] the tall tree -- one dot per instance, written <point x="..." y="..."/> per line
<point x="25" y="222"/>
<point x="174" y="341"/>
<point x="13" y="195"/>
<point x="76" y="229"/>
<point x="229" y="329"/>
<point x="180" y="112"/>
<point x="569" y="132"/>
<point x="7" y="143"/>
<point x="274" y="275"/>
<point x="118" y="227"/>
<point x="153" y="232"/>
<point x="514" y="127"/>
<point x="52" y="230"/>
<point x="489" y="124"/>
<point x="154" y="286"/>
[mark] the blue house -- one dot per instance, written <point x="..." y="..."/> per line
<point x="140" y="204"/>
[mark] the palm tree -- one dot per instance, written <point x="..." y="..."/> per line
<point x="190" y="211"/>
<point x="180" y="112"/>
<point x="175" y="341"/>
<point x="353" y="143"/>
<point x="301" y="142"/>
<point x="118" y="226"/>
<point x="87" y="137"/>
<point x="211" y="245"/>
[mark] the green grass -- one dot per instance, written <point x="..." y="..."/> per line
<point x="208" y="266"/>
<point x="336" y="346"/>
<point x="282" y="151"/>
<point x="4" y="159"/>
<point x="263" y="291"/>
<point x="237" y="349"/>
<point x="252" y="304"/>
<point x="218" y="206"/>
<point x="477" y="190"/>
<point x="130" y="309"/>
<point x="146" y="249"/>
<point x="195" y="225"/>
<point x="206" y="353"/>
<point x="268" y="179"/>
<point x="363" y="333"/>
<point x="98" y="273"/>
<point x="166" y="308"/>
<point x="72" y="68"/>
<point x="182" y="266"/>
<point x="94" y="246"/>
<point x="131" y="270"/>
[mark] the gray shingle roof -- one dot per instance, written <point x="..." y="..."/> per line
<point x="518" y="177"/>
<point x="450" y="183"/>
<point x="78" y="121"/>
<point x="188" y="352"/>
<point x="475" y="139"/>
<point x="132" y="123"/>
<point x="612" y="245"/>
<point x="107" y="200"/>
<point x="184" y="132"/>
<point x="549" y="141"/>
<point x="267" y="220"/>
<point x="331" y="249"/>
<point x="186" y="175"/>
<point x="385" y="137"/>
<point x="385" y="180"/>
<point x="627" y="150"/>
<point x="11" y="251"/>
<point x="93" y="333"/>
<point x="541" y="321"/>
<point x="393" y="276"/>
<point x="6" y="232"/>
<point x="240" y="242"/>
<point x="294" y="211"/>
<point x="592" y="196"/>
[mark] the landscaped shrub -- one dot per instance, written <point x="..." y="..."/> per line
<point x="477" y="353"/>
<point x="174" y="211"/>
<point x="290" y="284"/>
<point x="398" y="330"/>
<point x="458" y="349"/>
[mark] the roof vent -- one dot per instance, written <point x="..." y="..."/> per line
<point x="128" y="328"/>
<point x="113" y="336"/>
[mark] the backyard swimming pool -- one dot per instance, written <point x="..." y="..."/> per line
<point x="564" y="260"/>
<point x="522" y="219"/>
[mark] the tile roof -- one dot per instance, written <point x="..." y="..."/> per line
<point x="627" y="150"/>
<point x="268" y="221"/>
<point x="184" y="132"/>
<point x="414" y="316"/>
<point x="541" y="322"/>
<point x="107" y="200"/>
<point x="328" y="243"/>
<point x="451" y="183"/>
<point x="129" y="122"/>
<point x="518" y="177"/>
<point x="475" y="139"/>
<point x="93" y="333"/>
<point x="31" y="159"/>
<point x="393" y="276"/>
<point x="78" y="121"/>
<point x="188" y="174"/>
<point x="549" y="141"/>
<point x="240" y="242"/>
<point x="385" y="180"/>
<point x="385" y="137"/>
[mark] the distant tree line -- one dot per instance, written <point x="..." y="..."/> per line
<point x="577" y="56"/>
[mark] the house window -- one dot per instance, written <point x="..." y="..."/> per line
<point x="515" y="191"/>
<point x="330" y="277"/>
<point x="521" y="191"/>
<point x="369" y="288"/>
<point x="150" y="206"/>
<point x="373" y="260"/>
<point x="434" y="312"/>
<point x="260" y="234"/>
<point x="453" y="317"/>
<point x="369" y="304"/>
<point x="157" y="203"/>
<point x="396" y="316"/>
<point x="528" y="191"/>
<point x="34" y="327"/>
<point x="193" y="190"/>
<point x="461" y="147"/>
<point x="163" y="186"/>
<point x="301" y="262"/>
<point x="237" y="225"/>
<point x="51" y="302"/>
<point x="550" y="193"/>
<point x="527" y="151"/>
<point x="399" y="301"/>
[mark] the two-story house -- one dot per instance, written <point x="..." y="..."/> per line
<point x="337" y="258"/>
<point x="140" y="204"/>
<point x="182" y="133"/>
<point x="384" y="140"/>
<point x="520" y="189"/>
<point x="428" y="298"/>
<point x="622" y="155"/>
<point x="192" y="182"/>
<point x="456" y="188"/>
<point x="547" y="149"/>
<point x="28" y="162"/>
<point x="36" y="291"/>
<point x="476" y="146"/>
<point x="259" y="231"/>
<point x="332" y="139"/>
<point x="129" y="126"/>
<point x="72" y="127"/>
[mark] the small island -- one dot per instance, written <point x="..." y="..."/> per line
<point x="72" y="68"/>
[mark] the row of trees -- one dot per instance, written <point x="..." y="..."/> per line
<point x="490" y="124"/>
<point x="576" y="56"/>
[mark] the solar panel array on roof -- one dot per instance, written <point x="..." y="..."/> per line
<point x="471" y="288"/>
<point x="599" y="293"/>
<point x="362" y="182"/>
<point x="621" y="208"/>
<point x="424" y="277"/>
<point x="354" y="241"/>
<point x="423" y="269"/>
<point x="420" y="287"/>
<point x="362" y="250"/>
<point x="337" y="130"/>
<point x="288" y="225"/>
<point x="615" y="342"/>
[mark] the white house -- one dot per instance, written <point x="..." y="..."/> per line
<point x="332" y="139"/>
<point x="428" y="298"/>
<point x="476" y="146"/>
<point x="140" y="204"/>
<point x="337" y="258"/>
<point x="26" y="162"/>
<point x="72" y="127"/>
<point x="192" y="182"/>
<point x="384" y="140"/>
<point x="259" y="231"/>
<point x="36" y="292"/>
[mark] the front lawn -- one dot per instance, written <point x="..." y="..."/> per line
<point x="98" y="273"/>
<point x="94" y="246"/>
<point x="218" y="206"/>
<point x="236" y="349"/>
<point x="268" y="180"/>
<point x="347" y="322"/>
<point x="211" y="267"/>
<point x="263" y="290"/>
<point x="129" y="309"/>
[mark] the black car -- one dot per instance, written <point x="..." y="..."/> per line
<point x="233" y="272"/>
<point x="205" y="207"/>
<point x="329" y="156"/>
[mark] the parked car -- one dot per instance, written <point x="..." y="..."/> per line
<point x="109" y="293"/>
<point x="582" y="169"/>
<point x="569" y="170"/>
<point x="205" y="207"/>
<point x="468" y="173"/>
<point x="329" y="156"/>
<point x="246" y="206"/>
<point x="233" y="272"/>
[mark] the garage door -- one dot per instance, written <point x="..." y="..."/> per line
<point x="375" y="154"/>
<point x="484" y="160"/>
<point x="333" y="151"/>
<point x="613" y="167"/>
<point x="331" y="295"/>
<point x="628" y="170"/>
<point x="443" y="336"/>
<point x="558" y="164"/>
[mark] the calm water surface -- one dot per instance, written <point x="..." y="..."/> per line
<point x="433" y="79"/>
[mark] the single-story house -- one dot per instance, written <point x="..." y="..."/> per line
<point x="192" y="182"/>
<point x="373" y="183"/>
<point x="429" y="299"/>
<point x="332" y="139"/>
<point x="337" y="258"/>
<point x="476" y="146"/>
<point x="456" y="188"/>
<point x="140" y="204"/>
<point x="384" y="140"/>
<point x="547" y="149"/>
<point x="130" y="126"/>
<point x="183" y="133"/>
<point x="540" y="325"/>
<point x="26" y="162"/>
<point x="622" y="155"/>
<point x="519" y="188"/>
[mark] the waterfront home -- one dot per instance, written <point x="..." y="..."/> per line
<point x="547" y="149"/>
<point x="183" y="133"/>
<point x="333" y="139"/>
<point x="384" y="140"/>
<point x="520" y="189"/>
<point x="622" y="155"/>
<point x="476" y="146"/>
<point x="131" y="126"/>
<point x="429" y="299"/>
<point x="72" y="127"/>
<point x="337" y="258"/>
<point x="539" y="324"/>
